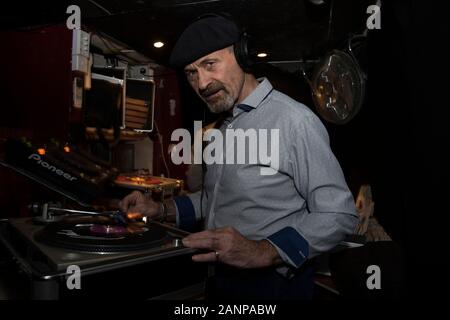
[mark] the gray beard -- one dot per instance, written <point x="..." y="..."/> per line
<point x="221" y="105"/>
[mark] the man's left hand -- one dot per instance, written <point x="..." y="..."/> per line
<point x="227" y="245"/>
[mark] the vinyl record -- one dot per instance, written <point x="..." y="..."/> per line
<point x="101" y="234"/>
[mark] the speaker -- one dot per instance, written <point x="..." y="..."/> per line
<point x="241" y="51"/>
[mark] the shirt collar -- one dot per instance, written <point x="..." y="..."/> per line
<point x="255" y="98"/>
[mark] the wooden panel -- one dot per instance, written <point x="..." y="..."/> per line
<point x="136" y="119"/>
<point x="136" y="108"/>
<point x="137" y="114"/>
<point x="137" y="102"/>
<point x="133" y="125"/>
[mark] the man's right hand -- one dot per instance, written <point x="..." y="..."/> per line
<point x="136" y="202"/>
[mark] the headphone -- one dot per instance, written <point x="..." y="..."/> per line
<point x="241" y="46"/>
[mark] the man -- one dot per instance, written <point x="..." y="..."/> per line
<point x="261" y="230"/>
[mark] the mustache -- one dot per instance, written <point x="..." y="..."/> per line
<point x="211" y="89"/>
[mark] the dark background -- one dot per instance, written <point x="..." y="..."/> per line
<point x="398" y="142"/>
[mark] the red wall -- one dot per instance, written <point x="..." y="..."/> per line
<point x="36" y="87"/>
<point x="36" y="98"/>
<point x="166" y="89"/>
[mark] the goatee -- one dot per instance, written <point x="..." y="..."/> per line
<point x="220" y="103"/>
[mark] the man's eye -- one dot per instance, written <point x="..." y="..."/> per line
<point x="190" y="74"/>
<point x="210" y="65"/>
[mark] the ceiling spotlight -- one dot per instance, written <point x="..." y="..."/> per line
<point x="317" y="2"/>
<point x="261" y="55"/>
<point x="158" y="44"/>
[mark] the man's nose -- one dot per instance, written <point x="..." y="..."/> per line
<point x="203" y="80"/>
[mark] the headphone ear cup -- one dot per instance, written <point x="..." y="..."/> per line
<point x="241" y="53"/>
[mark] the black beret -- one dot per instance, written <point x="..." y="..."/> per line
<point x="202" y="37"/>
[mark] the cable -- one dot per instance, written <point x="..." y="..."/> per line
<point x="115" y="50"/>
<point x="162" y="149"/>
<point x="330" y="21"/>
<point x="99" y="6"/>
<point x="203" y="170"/>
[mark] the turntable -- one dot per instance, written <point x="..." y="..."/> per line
<point x="100" y="247"/>
<point x="100" y="243"/>
<point x="92" y="243"/>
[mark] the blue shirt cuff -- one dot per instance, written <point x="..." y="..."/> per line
<point x="186" y="213"/>
<point x="292" y="244"/>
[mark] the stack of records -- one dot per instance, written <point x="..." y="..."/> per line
<point x="136" y="113"/>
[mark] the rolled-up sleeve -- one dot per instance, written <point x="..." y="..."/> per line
<point x="319" y="179"/>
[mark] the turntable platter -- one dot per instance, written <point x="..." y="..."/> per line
<point x="101" y="234"/>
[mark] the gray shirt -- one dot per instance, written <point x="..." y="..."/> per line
<point x="304" y="208"/>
